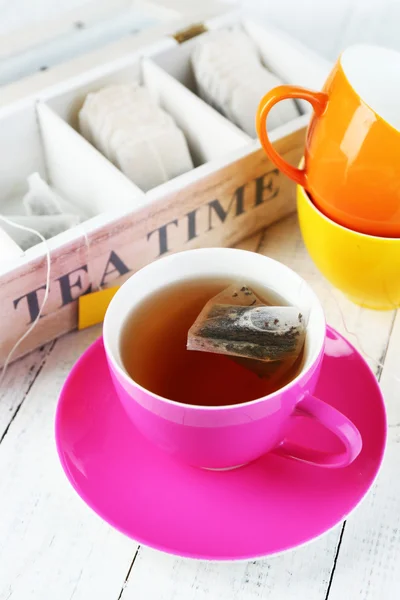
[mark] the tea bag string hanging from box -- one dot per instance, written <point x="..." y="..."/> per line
<point x="12" y="224"/>
<point x="32" y="326"/>
<point x="236" y="323"/>
<point x="46" y="213"/>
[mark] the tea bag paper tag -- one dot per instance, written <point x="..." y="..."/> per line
<point x="92" y="307"/>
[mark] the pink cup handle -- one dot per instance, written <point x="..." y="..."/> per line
<point x="333" y="420"/>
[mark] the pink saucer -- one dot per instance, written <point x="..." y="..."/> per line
<point x="269" y="506"/>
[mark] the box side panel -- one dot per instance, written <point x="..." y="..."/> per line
<point x="219" y="210"/>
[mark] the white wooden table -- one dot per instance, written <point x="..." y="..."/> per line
<point x="52" y="547"/>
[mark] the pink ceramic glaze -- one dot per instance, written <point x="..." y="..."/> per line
<point x="228" y="436"/>
<point x="268" y="506"/>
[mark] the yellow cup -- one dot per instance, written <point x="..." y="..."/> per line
<point x="364" y="267"/>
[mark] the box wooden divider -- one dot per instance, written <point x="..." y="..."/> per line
<point x="232" y="192"/>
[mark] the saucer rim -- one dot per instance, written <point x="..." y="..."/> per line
<point x="93" y="347"/>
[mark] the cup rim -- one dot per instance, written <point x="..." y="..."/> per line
<point x="200" y="407"/>
<point x="309" y="200"/>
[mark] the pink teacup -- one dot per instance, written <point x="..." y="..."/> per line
<point x="224" y="437"/>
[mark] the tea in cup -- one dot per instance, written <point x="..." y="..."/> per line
<point x="207" y="409"/>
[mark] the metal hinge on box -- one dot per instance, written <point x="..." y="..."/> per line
<point x="190" y="32"/>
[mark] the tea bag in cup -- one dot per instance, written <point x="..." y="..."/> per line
<point x="265" y="339"/>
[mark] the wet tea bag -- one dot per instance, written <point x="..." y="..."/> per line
<point x="135" y="134"/>
<point x="231" y="77"/>
<point x="265" y="339"/>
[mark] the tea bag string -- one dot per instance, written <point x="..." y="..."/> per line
<point x="89" y="262"/>
<point x="45" y="297"/>
<point x="47" y="285"/>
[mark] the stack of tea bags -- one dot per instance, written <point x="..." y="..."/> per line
<point x="231" y="78"/>
<point x="45" y="212"/>
<point x="265" y="339"/>
<point x="134" y="133"/>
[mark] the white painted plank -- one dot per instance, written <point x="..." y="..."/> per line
<point x="17" y="382"/>
<point x="51" y="545"/>
<point x="299" y="575"/>
<point x="81" y="556"/>
<point x="369" y="556"/>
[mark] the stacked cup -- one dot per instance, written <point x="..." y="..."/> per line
<point x="348" y="193"/>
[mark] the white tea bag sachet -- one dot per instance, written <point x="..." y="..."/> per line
<point x="41" y="200"/>
<point x="45" y="211"/>
<point x="230" y="76"/>
<point x="266" y="339"/>
<point x="135" y="134"/>
<point x="148" y="160"/>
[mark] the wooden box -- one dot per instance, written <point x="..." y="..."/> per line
<point x="232" y="191"/>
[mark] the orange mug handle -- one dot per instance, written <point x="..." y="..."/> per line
<point x="318" y="101"/>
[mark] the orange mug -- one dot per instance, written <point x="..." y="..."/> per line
<point x="352" y="153"/>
